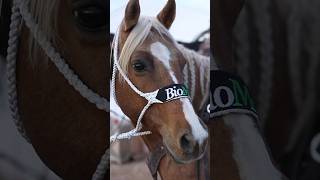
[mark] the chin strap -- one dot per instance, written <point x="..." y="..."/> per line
<point x="154" y="158"/>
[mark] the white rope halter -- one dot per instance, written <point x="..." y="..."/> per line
<point x="151" y="97"/>
<point x="20" y="11"/>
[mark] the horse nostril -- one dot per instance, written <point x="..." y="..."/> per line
<point x="187" y="143"/>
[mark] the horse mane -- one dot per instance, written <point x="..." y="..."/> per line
<point x="45" y="14"/>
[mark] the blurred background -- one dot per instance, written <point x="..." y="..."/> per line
<point x="192" y="16"/>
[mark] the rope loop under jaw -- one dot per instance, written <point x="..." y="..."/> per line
<point x="151" y="97"/>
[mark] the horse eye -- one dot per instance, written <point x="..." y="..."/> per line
<point x="139" y="67"/>
<point x="91" y="18"/>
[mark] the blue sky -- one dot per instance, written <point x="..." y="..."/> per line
<point x="193" y="16"/>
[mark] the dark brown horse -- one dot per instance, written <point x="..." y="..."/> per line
<point x="276" y="50"/>
<point x="239" y="151"/>
<point x="67" y="131"/>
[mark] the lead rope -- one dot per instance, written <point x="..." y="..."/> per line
<point x="11" y="68"/>
<point x="20" y="11"/>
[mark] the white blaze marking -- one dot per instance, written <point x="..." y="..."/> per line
<point x="250" y="152"/>
<point x="198" y="132"/>
<point x="163" y="54"/>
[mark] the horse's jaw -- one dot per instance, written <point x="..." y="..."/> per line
<point x="177" y="160"/>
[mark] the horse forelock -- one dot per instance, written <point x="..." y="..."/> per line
<point x="45" y="14"/>
<point x="137" y="36"/>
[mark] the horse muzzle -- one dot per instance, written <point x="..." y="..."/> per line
<point x="187" y="148"/>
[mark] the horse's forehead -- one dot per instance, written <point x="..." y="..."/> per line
<point x="160" y="46"/>
<point x="163" y="54"/>
<point x="156" y="36"/>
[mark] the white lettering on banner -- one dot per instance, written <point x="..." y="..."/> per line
<point x="179" y="92"/>
<point x="170" y="93"/>
<point x="173" y="92"/>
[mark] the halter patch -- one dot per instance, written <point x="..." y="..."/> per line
<point x="229" y="94"/>
<point x="172" y="92"/>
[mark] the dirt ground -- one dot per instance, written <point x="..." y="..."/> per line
<point x="130" y="171"/>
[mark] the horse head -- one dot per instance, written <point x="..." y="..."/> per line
<point x="151" y="59"/>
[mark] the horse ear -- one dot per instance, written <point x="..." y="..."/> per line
<point x="132" y="14"/>
<point x="168" y="14"/>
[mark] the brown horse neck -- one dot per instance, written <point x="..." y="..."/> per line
<point x="239" y="151"/>
<point x="223" y="166"/>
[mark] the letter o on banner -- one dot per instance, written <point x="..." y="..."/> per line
<point x="218" y="97"/>
<point x="179" y="92"/>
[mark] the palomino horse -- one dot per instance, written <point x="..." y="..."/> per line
<point x="149" y="71"/>
<point x="239" y="151"/>
<point x="57" y="43"/>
